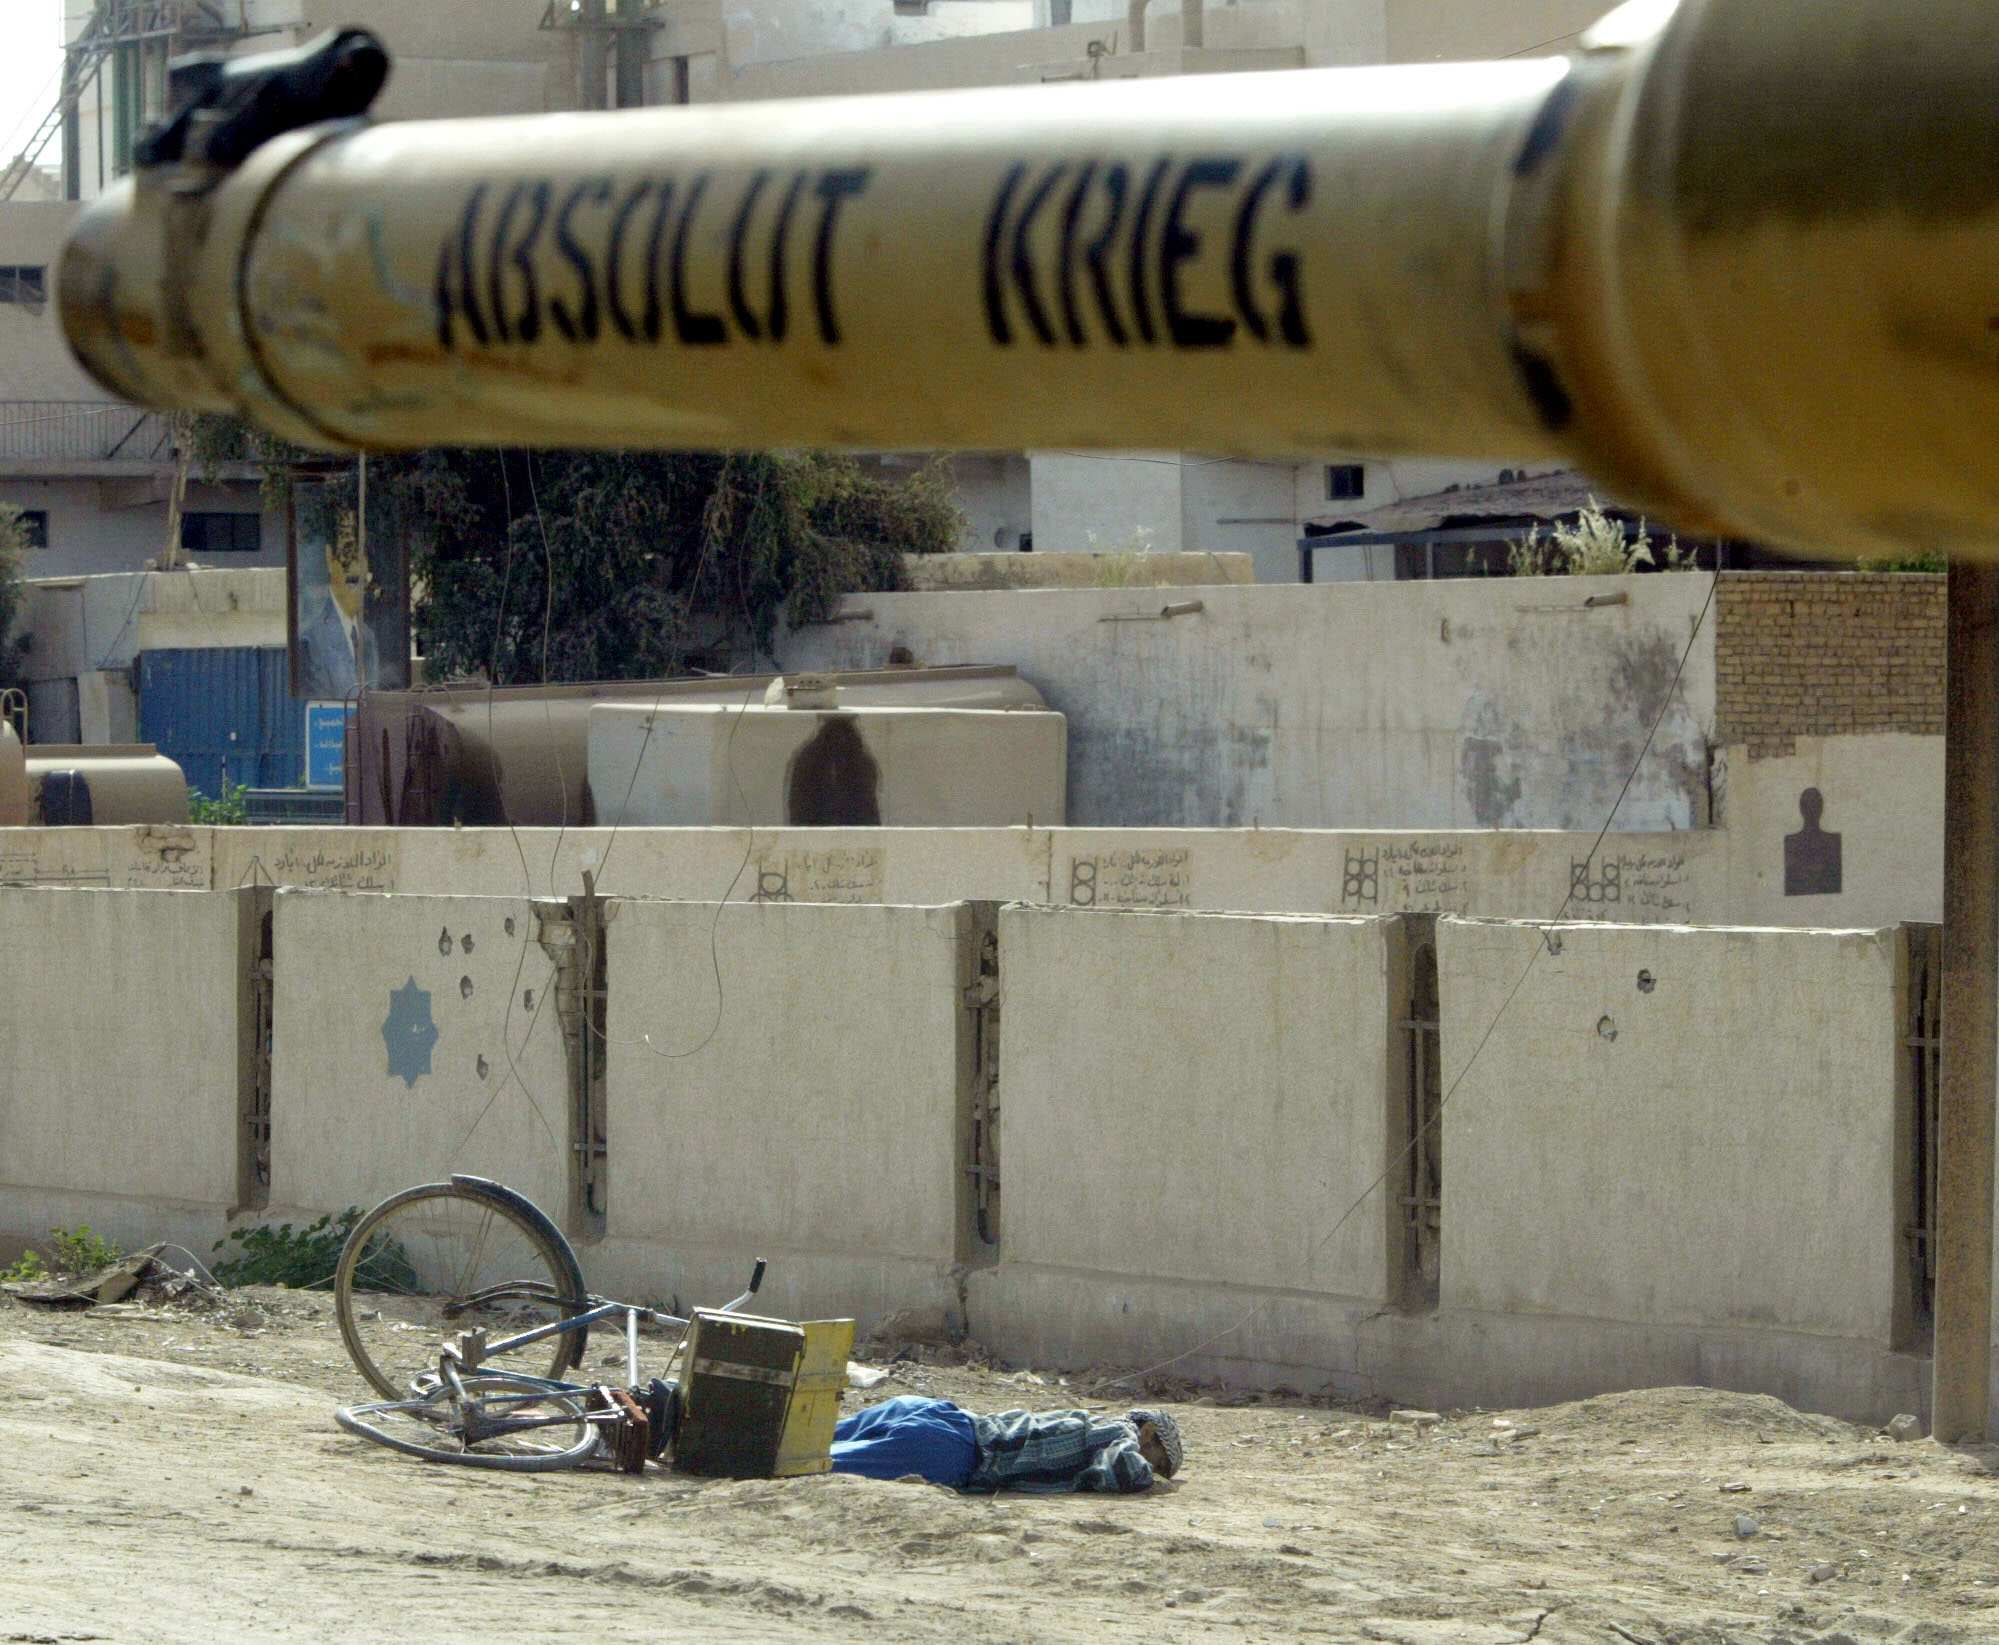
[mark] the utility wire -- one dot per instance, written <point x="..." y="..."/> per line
<point x="1541" y="946"/>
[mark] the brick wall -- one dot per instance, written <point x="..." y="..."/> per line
<point x="1821" y="654"/>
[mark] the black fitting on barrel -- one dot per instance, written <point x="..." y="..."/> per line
<point x="226" y="107"/>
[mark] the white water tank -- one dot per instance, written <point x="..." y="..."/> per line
<point x="16" y="797"/>
<point x="767" y="765"/>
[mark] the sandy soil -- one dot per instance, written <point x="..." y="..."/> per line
<point x="175" y="1475"/>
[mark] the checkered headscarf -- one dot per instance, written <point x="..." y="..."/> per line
<point x="1169" y="1436"/>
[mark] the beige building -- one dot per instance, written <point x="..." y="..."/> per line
<point x="98" y="483"/>
<point x="93" y="474"/>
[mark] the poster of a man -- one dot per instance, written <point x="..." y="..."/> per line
<point x="350" y="610"/>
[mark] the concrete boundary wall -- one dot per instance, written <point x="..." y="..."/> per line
<point x="1670" y="1154"/>
<point x="812" y="1109"/>
<point x="1633" y="878"/>
<point x="1661" y="1141"/>
<point x="1732" y="875"/>
<point x="1171" y="1154"/>
<point x="126" y="1048"/>
<point x="1437" y="704"/>
<point x="413" y="1037"/>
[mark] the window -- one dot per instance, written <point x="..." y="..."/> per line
<point x="23" y="283"/>
<point x="222" y="533"/>
<point x="1345" y="482"/>
<point x="35" y="527"/>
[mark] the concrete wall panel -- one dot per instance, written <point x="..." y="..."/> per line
<point x="123" y="1047"/>
<point x="347" y="1128"/>
<point x="1208" y="1137"/>
<point x="1671" y="1126"/>
<point x="1358" y="706"/>
<point x="785" y="1082"/>
<point x="1881" y="795"/>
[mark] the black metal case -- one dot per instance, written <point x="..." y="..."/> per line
<point x="736" y="1393"/>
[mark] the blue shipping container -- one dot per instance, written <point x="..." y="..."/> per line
<point x="227" y="710"/>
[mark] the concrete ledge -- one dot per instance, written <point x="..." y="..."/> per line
<point x="1335" y="1345"/>
<point x="1064" y="1319"/>
<point x="27" y="1214"/>
<point x="939" y="573"/>
<point x="801" y="1284"/>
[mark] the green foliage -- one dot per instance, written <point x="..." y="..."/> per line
<point x="1932" y="564"/>
<point x="78" y="1251"/>
<point x="71" y="1251"/>
<point x="229" y="811"/>
<point x="1595" y="546"/>
<point x="28" y="1269"/>
<point x="623" y="565"/>
<point x="210" y="440"/>
<point x="13" y="553"/>
<point x="299" y="1257"/>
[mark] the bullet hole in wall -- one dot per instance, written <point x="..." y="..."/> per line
<point x="1646" y="982"/>
<point x="484" y="1068"/>
<point x="444" y="942"/>
<point x="464" y="988"/>
<point x="527" y="999"/>
<point x="510" y="925"/>
<point x="1606" y="1029"/>
<point x="465" y="942"/>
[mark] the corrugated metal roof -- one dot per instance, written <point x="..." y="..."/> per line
<point x="1541" y="497"/>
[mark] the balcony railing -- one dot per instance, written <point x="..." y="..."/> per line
<point x="87" y="431"/>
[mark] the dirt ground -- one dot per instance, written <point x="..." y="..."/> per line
<point x="176" y="1475"/>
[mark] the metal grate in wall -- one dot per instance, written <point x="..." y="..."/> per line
<point x="1422" y="1197"/>
<point x="1923" y="1045"/>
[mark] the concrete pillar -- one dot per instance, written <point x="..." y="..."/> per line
<point x="106" y="709"/>
<point x="631" y="56"/>
<point x="1963" y="1363"/>
<point x="592" y="55"/>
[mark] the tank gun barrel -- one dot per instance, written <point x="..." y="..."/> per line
<point x="1737" y="258"/>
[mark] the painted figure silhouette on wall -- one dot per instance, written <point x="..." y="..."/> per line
<point x="1811" y="856"/>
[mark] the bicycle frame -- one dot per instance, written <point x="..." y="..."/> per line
<point x="471" y="1349"/>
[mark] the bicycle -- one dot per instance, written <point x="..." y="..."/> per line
<point x="470" y="1249"/>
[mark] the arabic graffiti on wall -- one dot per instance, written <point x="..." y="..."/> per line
<point x="1405" y="877"/>
<point x="343" y="868"/>
<point x="850" y="874"/>
<point x="1147" y="877"/>
<point x="1631" y="887"/>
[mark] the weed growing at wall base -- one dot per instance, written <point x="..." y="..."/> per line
<point x="305" y="1257"/>
<point x="285" y="1255"/>
<point x="71" y="1251"/>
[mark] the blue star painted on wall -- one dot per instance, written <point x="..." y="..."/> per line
<point x="409" y="1032"/>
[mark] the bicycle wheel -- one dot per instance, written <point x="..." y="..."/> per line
<point x="432" y="1261"/>
<point x="509" y="1422"/>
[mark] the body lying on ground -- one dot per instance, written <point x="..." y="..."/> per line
<point x="1011" y="1451"/>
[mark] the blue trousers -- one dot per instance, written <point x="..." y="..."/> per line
<point x="908" y="1435"/>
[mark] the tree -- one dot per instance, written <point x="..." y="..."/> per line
<point x="574" y="565"/>
<point x="13" y="551"/>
